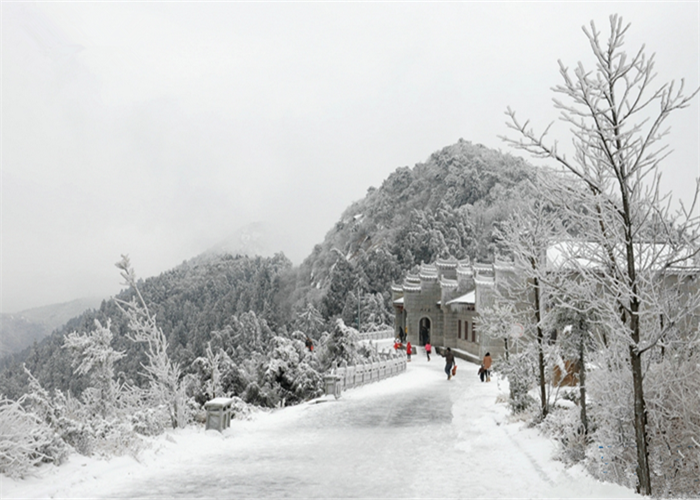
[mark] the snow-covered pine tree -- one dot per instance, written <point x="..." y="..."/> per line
<point x="342" y="280"/>
<point x="309" y="320"/>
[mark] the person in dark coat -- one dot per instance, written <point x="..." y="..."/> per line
<point x="449" y="362"/>
<point x="485" y="372"/>
<point x="309" y="344"/>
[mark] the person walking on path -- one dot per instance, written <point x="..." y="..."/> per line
<point x="449" y="362"/>
<point x="408" y="350"/>
<point x="428" y="349"/>
<point x="486" y="366"/>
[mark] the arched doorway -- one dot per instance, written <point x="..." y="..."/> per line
<point x="424" y="331"/>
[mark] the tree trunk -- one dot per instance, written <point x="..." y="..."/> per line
<point x="540" y="348"/>
<point x="640" y="411"/>
<point x="543" y="387"/>
<point x="582" y="384"/>
<point x="640" y="424"/>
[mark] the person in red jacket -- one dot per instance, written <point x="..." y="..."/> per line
<point x="408" y="350"/>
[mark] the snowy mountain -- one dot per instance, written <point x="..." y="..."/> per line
<point x="445" y="205"/>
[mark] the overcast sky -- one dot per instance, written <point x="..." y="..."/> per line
<point x="159" y="129"/>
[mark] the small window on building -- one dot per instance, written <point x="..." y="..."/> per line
<point x="473" y="332"/>
<point x="459" y="328"/>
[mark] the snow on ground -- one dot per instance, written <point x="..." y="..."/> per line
<point x="416" y="435"/>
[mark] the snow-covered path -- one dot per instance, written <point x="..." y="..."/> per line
<point x="412" y="436"/>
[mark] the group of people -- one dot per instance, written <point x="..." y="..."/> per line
<point x="409" y="348"/>
<point x="451" y="366"/>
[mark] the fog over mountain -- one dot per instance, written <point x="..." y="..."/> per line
<point x="157" y="129"/>
<point x="252" y="239"/>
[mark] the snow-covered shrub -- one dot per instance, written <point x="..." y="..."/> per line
<point x="78" y="435"/>
<point x="63" y="414"/>
<point x="26" y="440"/>
<point x="235" y="380"/>
<point x="208" y="376"/>
<point x="240" y="409"/>
<point x="287" y="371"/>
<point x="116" y="438"/>
<point x="261" y="395"/>
<point x="672" y="389"/>
<point x="564" y="425"/>
<point x="340" y="347"/>
<point x="612" y="453"/>
<point x="519" y="369"/>
<point x="148" y="422"/>
<point x="308" y="383"/>
<point x="82" y="426"/>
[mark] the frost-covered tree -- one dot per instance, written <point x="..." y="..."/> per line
<point x="340" y="347"/>
<point x="576" y="340"/>
<point x="163" y="373"/>
<point x="342" y="279"/>
<point x="95" y="356"/>
<point x="634" y="244"/>
<point x="525" y="237"/>
<point x="309" y="320"/>
<point x="374" y="312"/>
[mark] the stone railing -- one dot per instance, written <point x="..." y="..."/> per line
<point x="378" y="335"/>
<point x="347" y="377"/>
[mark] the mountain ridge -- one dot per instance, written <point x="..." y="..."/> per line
<point x="19" y="330"/>
<point x="447" y="205"/>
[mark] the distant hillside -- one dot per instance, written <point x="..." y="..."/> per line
<point x="18" y="331"/>
<point x="447" y="205"/>
<point x="201" y="296"/>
